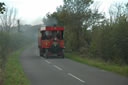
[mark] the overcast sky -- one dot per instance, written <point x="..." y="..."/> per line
<point x="32" y="11"/>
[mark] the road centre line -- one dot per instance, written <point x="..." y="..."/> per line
<point x="47" y="61"/>
<point x="58" y="67"/>
<point x="76" y="77"/>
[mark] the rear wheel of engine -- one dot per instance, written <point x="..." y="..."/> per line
<point x="62" y="56"/>
<point x="41" y="52"/>
<point x="63" y="53"/>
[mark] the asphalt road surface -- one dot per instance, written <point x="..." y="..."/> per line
<point x="57" y="71"/>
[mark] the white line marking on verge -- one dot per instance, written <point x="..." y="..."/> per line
<point x="58" y="67"/>
<point x="47" y="61"/>
<point x="76" y="77"/>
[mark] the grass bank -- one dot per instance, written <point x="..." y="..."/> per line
<point x="122" y="70"/>
<point x="14" y="74"/>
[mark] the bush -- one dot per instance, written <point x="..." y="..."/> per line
<point x="10" y="42"/>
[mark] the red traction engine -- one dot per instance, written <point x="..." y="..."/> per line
<point x="51" y="41"/>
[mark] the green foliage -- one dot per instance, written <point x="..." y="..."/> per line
<point x="4" y="47"/>
<point x="123" y="70"/>
<point x="110" y="41"/>
<point x="10" y="42"/>
<point x="13" y="74"/>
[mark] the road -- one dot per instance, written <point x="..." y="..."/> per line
<point x="56" y="71"/>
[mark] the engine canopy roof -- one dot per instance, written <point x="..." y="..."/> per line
<point x="51" y="28"/>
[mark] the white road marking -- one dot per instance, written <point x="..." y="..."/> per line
<point x="76" y="77"/>
<point x="47" y="61"/>
<point x="58" y="67"/>
<point x="42" y="58"/>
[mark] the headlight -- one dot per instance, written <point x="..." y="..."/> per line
<point x="55" y="43"/>
<point x="46" y="44"/>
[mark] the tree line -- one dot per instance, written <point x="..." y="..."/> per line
<point x="90" y="33"/>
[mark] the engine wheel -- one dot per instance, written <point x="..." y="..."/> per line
<point x="46" y="53"/>
<point x="63" y="53"/>
<point x="41" y="52"/>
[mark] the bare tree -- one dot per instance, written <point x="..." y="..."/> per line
<point x="8" y="19"/>
<point x="116" y="11"/>
<point x="127" y="11"/>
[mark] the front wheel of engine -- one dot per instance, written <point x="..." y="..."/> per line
<point x="46" y="53"/>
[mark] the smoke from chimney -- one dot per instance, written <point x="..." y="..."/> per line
<point x="50" y="21"/>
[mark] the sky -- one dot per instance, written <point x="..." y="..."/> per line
<point x="105" y="5"/>
<point x="32" y="11"/>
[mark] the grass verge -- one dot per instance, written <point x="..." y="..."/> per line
<point x="123" y="70"/>
<point x="14" y="74"/>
